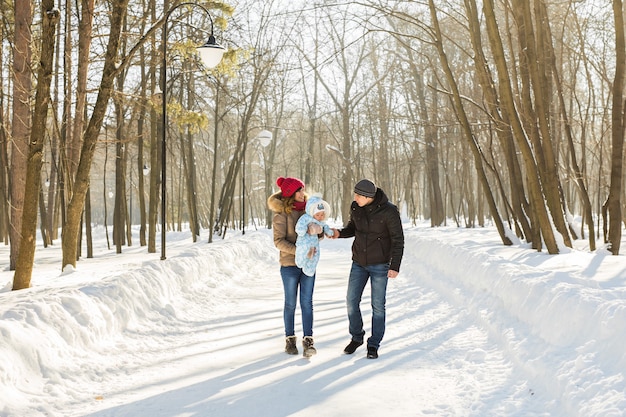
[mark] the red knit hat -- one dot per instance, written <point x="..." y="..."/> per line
<point x="289" y="185"/>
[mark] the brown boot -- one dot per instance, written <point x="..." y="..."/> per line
<point x="290" y="346"/>
<point x="309" y="349"/>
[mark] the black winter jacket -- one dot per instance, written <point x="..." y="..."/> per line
<point x="377" y="231"/>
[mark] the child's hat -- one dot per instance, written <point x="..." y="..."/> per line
<point x="316" y="204"/>
<point x="319" y="208"/>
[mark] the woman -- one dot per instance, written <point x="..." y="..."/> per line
<point x="288" y="205"/>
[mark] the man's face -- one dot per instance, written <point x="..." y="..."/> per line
<point x="361" y="200"/>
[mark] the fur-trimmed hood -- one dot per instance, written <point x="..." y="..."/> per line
<point x="275" y="203"/>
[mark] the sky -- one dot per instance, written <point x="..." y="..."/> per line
<point x="474" y="328"/>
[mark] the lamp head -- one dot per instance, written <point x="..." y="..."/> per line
<point x="265" y="137"/>
<point x="211" y="53"/>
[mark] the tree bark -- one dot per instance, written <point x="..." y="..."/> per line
<point x="22" y="86"/>
<point x="4" y="152"/>
<point x="614" y="205"/>
<point x="24" y="267"/>
<point x="456" y="100"/>
<point x="532" y="41"/>
<point x="72" y="226"/>
<point x="502" y="127"/>
<point x="508" y="107"/>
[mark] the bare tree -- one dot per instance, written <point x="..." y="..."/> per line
<point x="260" y="65"/>
<point x="4" y="151"/>
<point x="467" y="131"/>
<point x="508" y="108"/>
<point x="111" y="67"/>
<point x="24" y="266"/>
<point x="613" y="203"/>
<point x="341" y="87"/>
<point x="22" y="85"/>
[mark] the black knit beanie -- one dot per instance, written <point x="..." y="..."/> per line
<point x="365" y="188"/>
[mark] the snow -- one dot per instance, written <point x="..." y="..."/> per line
<point x="474" y="328"/>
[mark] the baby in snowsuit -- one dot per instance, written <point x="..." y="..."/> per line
<point x="307" y="245"/>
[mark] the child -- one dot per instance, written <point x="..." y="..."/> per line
<point x="307" y="245"/>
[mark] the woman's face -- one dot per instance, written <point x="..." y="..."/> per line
<point x="299" y="195"/>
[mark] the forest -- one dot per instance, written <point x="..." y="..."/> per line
<point x="501" y="112"/>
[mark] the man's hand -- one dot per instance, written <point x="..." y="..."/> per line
<point x="392" y="274"/>
<point x="335" y="233"/>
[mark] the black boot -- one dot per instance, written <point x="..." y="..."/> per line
<point x="290" y="346"/>
<point x="372" y="352"/>
<point x="349" y="350"/>
<point x="309" y="349"/>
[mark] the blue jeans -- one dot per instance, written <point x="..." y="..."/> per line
<point x="293" y="277"/>
<point x="356" y="284"/>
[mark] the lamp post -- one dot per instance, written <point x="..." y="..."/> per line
<point x="211" y="54"/>
<point x="264" y="137"/>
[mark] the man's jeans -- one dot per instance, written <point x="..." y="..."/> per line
<point x="356" y="284"/>
<point x="293" y="277"/>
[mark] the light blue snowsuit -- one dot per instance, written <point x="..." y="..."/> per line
<point x="305" y="241"/>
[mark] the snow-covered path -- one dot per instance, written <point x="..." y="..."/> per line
<point x="200" y="334"/>
<point x="434" y="360"/>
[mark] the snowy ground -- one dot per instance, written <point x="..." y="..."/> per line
<point x="473" y="329"/>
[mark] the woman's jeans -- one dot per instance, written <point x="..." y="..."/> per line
<point x="356" y="284"/>
<point x="293" y="277"/>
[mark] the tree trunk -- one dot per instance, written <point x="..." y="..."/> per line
<point x="21" y="122"/>
<point x="72" y="226"/>
<point x="578" y="173"/>
<point x="502" y="126"/>
<point x="142" y="167"/>
<point x="437" y="213"/>
<point x="230" y="183"/>
<point x="508" y="109"/>
<point x="42" y="215"/>
<point x="534" y="65"/>
<point x="119" y="210"/>
<point x="456" y="100"/>
<point x="85" y="35"/>
<point x="88" y="235"/>
<point x="24" y="266"/>
<point x="155" y="134"/>
<point x="614" y="205"/>
<point x="190" y="170"/>
<point x="4" y="151"/>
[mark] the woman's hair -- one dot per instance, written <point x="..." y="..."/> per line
<point x="288" y="202"/>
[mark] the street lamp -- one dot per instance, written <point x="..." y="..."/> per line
<point x="211" y="54"/>
<point x="264" y="137"/>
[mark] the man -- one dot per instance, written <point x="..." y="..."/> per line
<point x="376" y="255"/>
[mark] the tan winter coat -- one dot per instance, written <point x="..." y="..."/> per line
<point x="284" y="227"/>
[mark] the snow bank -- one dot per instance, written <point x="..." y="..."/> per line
<point x="50" y="334"/>
<point x="564" y="330"/>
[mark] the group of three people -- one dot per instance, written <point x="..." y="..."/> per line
<point x="377" y="252"/>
